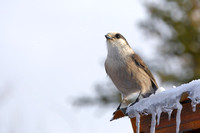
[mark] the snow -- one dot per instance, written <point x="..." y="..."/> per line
<point x="165" y="101"/>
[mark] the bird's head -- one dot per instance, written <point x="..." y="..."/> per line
<point x="117" y="43"/>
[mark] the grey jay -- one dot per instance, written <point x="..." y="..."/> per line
<point x="127" y="70"/>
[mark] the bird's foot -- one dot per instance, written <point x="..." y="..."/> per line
<point x="137" y="100"/>
<point x="132" y="104"/>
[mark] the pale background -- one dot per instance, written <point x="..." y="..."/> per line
<point x="52" y="52"/>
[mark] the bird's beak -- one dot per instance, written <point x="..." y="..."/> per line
<point x="108" y="36"/>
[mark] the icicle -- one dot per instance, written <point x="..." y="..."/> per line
<point x="178" y="116"/>
<point x="153" y="122"/>
<point x="193" y="107"/>
<point x="138" y="122"/>
<point x="158" y="115"/>
<point x="194" y="102"/>
<point x="169" y="114"/>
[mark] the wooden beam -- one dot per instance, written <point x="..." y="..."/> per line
<point x="189" y="121"/>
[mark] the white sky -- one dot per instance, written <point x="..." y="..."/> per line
<point x="53" y="51"/>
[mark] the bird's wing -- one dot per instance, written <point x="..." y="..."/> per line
<point x="139" y="62"/>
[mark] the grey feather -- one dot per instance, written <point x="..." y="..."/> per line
<point x="140" y="63"/>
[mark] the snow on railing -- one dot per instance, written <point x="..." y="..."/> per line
<point x="165" y="101"/>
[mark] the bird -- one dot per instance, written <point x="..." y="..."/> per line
<point x="127" y="70"/>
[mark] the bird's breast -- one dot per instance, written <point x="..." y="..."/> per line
<point x="121" y="73"/>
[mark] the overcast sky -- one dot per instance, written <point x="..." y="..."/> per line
<point x="53" y="51"/>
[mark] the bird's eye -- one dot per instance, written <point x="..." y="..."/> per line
<point x="117" y="36"/>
